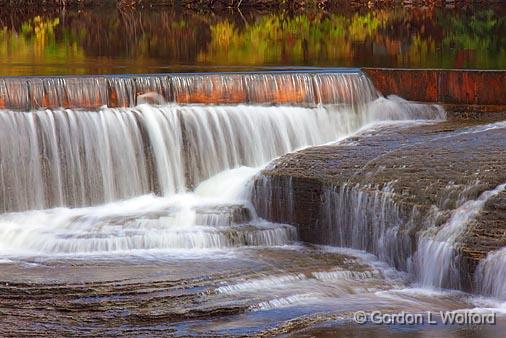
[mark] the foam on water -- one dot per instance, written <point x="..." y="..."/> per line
<point x="269" y="283"/>
<point x="143" y="161"/>
<point x="228" y="185"/>
<point x="146" y="222"/>
<point x="490" y="276"/>
<point x="436" y="256"/>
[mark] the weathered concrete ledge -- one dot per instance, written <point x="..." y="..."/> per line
<point x="305" y="87"/>
<point x="466" y="94"/>
<point x="395" y="181"/>
<point x="482" y="90"/>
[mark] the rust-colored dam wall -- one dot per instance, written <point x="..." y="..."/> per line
<point x="301" y="88"/>
<point x="460" y="90"/>
<point x="456" y="87"/>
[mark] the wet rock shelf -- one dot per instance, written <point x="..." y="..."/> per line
<point x="381" y="191"/>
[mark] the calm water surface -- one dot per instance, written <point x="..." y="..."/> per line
<point x="108" y="40"/>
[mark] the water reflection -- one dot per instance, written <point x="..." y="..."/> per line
<point x="161" y="40"/>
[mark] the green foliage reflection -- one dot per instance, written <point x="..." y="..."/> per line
<point x="145" y="41"/>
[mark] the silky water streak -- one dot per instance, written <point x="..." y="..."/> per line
<point x="144" y="161"/>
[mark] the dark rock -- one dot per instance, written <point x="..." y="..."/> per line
<point x="392" y="181"/>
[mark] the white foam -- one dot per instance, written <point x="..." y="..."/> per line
<point x="283" y="302"/>
<point x="261" y="283"/>
<point x="490" y="275"/>
<point x="436" y="253"/>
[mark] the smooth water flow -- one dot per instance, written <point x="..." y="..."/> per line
<point x="436" y="257"/>
<point x="79" y="158"/>
<point x="75" y="157"/>
<point x="373" y="211"/>
<point x="144" y="162"/>
<point x="490" y="277"/>
<point x="140" y="193"/>
<point x="294" y="88"/>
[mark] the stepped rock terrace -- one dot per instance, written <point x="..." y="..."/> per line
<point x="387" y="190"/>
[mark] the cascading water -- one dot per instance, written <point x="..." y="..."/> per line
<point x="369" y="219"/>
<point x="436" y="257"/>
<point x="150" y="169"/>
<point x="357" y="211"/>
<point x="300" y="88"/>
<point x="77" y="158"/>
<point x="80" y="158"/>
<point x="490" y="275"/>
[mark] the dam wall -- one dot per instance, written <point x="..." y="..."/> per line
<point x="307" y="88"/>
<point x="463" y="92"/>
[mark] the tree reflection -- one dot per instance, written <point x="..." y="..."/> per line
<point x="119" y="41"/>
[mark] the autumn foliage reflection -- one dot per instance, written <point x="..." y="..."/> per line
<point x="117" y="41"/>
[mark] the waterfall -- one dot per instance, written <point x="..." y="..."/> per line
<point x="78" y="158"/>
<point x="369" y="219"/>
<point x="133" y="173"/>
<point x="490" y="275"/>
<point x="437" y="256"/>
<point x="294" y="88"/>
<point x="358" y="208"/>
<point x="169" y="173"/>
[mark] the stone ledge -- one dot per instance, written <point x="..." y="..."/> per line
<point x="477" y="88"/>
<point x="408" y="170"/>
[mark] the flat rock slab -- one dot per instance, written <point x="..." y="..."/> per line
<point x="212" y="294"/>
<point x="422" y="166"/>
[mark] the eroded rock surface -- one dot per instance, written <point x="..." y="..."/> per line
<point x="381" y="190"/>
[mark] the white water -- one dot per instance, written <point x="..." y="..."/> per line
<point x="165" y="176"/>
<point x="490" y="275"/>
<point x="94" y="157"/>
<point x="367" y="217"/>
<point x="146" y="222"/>
<point x="152" y="179"/>
<point x="436" y="256"/>
<point x="79" y="158"/>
